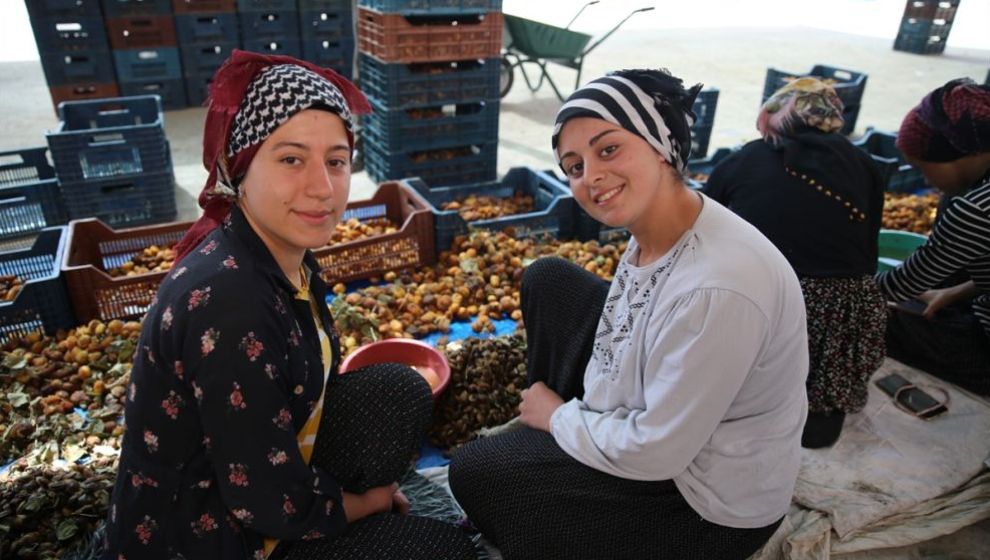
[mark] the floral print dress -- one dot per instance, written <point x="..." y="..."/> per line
<point x="228" y="370"/>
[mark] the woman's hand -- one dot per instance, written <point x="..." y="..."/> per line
<point x="400" y="503"/>
<point x="374" y="500"/>
<point x="938" y="299"/>
<point x="537" y="406"/>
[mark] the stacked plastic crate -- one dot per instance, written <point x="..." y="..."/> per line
<point x="75" y="54"/>
<point x="430" y="68"/>
<point x="326" y="28"/>
<point x="270" y="26"/>
<point x="208" y="32"/>
<point x="145" y="51"/>
<point x="925" y="26"/>
<point x="113" y="161"/>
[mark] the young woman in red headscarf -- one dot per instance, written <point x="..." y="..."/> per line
<point x="947" y="137"/>
<point x="242" y="441"/>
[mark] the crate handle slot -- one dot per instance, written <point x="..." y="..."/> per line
<point x="14" y="200"/>
<point x="106" y="140"/>
<point x="72" y="26"/>
<point x="842" y="75"/>
<point x="118" y="188"/>
<point x="11" y="159"/>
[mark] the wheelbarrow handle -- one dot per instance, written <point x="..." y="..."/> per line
<point x="592" y="3"/>
<point x="614" y="29"/>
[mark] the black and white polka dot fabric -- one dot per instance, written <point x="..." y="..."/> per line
<point x="275" y="95"/>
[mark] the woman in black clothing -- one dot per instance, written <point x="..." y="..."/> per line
<point x="820" y="201"/>
<point x="947" y="137"/>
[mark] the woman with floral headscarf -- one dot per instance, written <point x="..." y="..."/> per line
<point x="242" y="441"/>
<point x="664" y="411"/>
<point x="819" y="199"/>
<point x="947" y="137"/>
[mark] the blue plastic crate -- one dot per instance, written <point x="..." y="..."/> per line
<point x="287" y="47"/>
<point x="336" y="54"/>
<point x="922" y="36"/>
<point x="148" y="64"/>
<point x="332" y="25"/>
<point x="432" y="7"/>
<point x="206" y="29"/>
<point x="172" y="91"/>
<point x="205" y="59"/>
<point x="127" y="201"/>
<point x="60" y="34"/>
<point x="280" y="25"/>
<point x="29" y="194"/>
<point x="128" y="8"/>
<point x="903" y="177"/>
<point x="265" y="5"/>
<point x="198" y="89"/>
<point x="401" y="85"/>
<point x="849" y="87"/>
<point x="457" y="165"/>
<point x="305" y="5"/>
<point x="701" y="132"/>
<point x="109" y="137"/>
<point x="552" y="215"/>
<point x="44" y="9"/>
<point x="434" y="126"/>
<point x="699" y="169"/>
<point x="77" y="67"/>
<point x="43" y="303"/>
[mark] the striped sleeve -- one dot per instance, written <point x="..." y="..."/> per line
<point x="960" y="239"/>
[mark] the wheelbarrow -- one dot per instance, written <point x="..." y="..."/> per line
<point x="535" y="43"/>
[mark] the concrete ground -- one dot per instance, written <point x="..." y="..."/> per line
<point x="733" y="60"/>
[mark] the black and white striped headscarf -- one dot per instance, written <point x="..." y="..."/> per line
<point x="651" y="104"/>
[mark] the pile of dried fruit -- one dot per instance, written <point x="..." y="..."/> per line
<point x="10" y="286"/>
<point x="698" y="176"/>
<point x="149" y="259"/>
<point x="440" y="155"/>
<point x="486" y="377"/>
<point x="910" y="212"/>
<point x="481" y="207"/>
<point x="354" y="229"/>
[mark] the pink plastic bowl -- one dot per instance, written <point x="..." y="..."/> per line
<point x="406" y="351"/>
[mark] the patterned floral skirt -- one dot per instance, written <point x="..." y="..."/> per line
<point x="847" y="319"/>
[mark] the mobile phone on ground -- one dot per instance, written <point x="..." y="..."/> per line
<point x="910" y="397"/>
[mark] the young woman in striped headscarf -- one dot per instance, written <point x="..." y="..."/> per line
<point x="664" y="410"/>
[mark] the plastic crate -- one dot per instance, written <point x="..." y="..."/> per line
<point x="434" y="126"/>
<point x="78" y="67"/>
<point x="305" y="5"/>
<point x="286" y="47"/>
<point x="397" y="38"/>
<point x="279" y="25"/>
<point x="146" y="32"/>
<point x="904" y="178"/>
<point x="701" y="132"/>
<point x="849" y="87"/>
<point x="82" y="92"/>
<point x="326" y="24"/>
<point x="198" y="89"/>
<point x="60" y="34"/>
<point x="43" y="302"/>
<point x="203" y="6"/>
<point x="402" y="85"/>
<point x="93" y="248"/>
<point x="931" y="9"/>
<point x="148" y="64"/>
<point x="705" y="166"/>
<point x="266" y="5"/>
<point x="206" y="29"/>
<point x="411" y="246"/>
<point x="44" y="9"/>
<point x="895" y="246"/>
<point x="922" y="36"/>
<point x="338" y="54"/>
<point x="553" y="213"/>
<point x="123" y="202"/>
<point x="432" y="7"/>
<point x="29" y="195"/>
<point x="109" y="137"/>
<point x="129" y="8"/>
<point x="456" y="165"/>
<point x="172" y="92"/>
<point x="205" y="59"/>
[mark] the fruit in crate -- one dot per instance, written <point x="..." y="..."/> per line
<point x="150" y="259"/>
<point x="354" y="229"/>
<point x="698" y="176"/>
<point x="910" y="212"/>
<point x="10" y="286"/>
<point x="481" y="207"/>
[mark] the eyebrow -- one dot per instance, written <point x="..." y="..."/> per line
<point x="303" y="146"/>
<point x="591" y="142"/>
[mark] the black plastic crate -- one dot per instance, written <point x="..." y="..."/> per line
<point x="129" y="8"/>
<point x="457" y="165"/>
<point x="109" y="137"/>
<point x="287" y="47"/>
<point x="61" y="34"/>
<point x="43" y="303"/>
<point x="552" y="215"/>
<point x="432" y="7"/>
<point x="849" y="86"/>
<point x="206" y="29"/>
<point x="148" y="64"/>
<point x="931" y="9"/>
<point x="29" y="195"/>
<point x="922" y="36"/>
<point x="78" y="67"/>
<point x="198" y="89"/>
<point x="128" y="201"/>
<point x="332" y="25"/>
<point x="699" y="169"/>
<point x="205" y="59"/>
<point x="172" y="91"/>
<point x="433" y="126"/>
<point x="279" y="25"/>
<point x="338" y="54"/>
<point x="265" y="5"/>
<point x="701" y="132"/>
<point x="399" y="85"/>
<point x="43" y="9"/>
<point x="903" y="177"/>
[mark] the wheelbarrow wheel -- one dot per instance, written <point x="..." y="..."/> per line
<point x="506" y="75"/>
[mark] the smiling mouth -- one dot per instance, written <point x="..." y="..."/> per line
<point x="318" y="215"/>
<point x="608" y="195"/>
